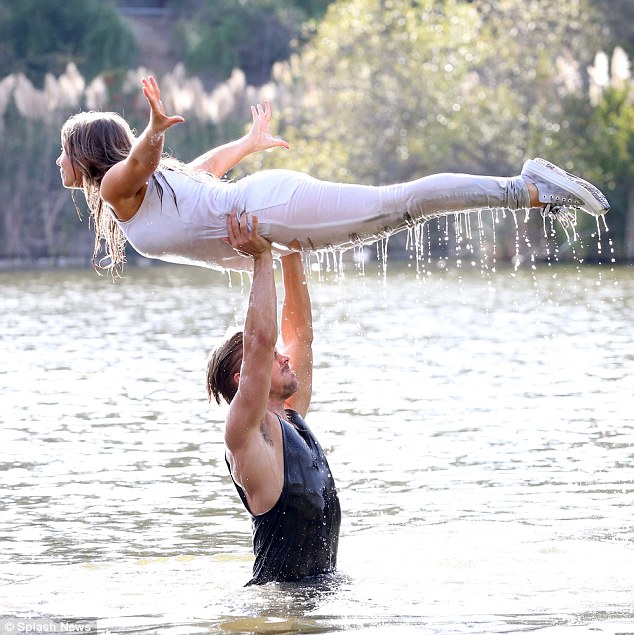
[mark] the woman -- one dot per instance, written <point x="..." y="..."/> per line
<point x="177" y="212"/>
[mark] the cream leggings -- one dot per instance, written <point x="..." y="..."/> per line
<point x="321" y="214"/>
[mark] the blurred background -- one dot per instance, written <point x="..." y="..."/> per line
<point x="364" y="90"/>
<point x="482" y="415"/>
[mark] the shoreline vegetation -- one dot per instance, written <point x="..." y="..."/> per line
<point x="345" y="123"/>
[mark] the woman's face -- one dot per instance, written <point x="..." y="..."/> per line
<point x="71" y="178"/>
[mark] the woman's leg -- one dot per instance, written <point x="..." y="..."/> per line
<point x="317" y="214"/>
<point x="322" y="214"/>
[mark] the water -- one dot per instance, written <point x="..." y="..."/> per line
<point x="480" y="429"/>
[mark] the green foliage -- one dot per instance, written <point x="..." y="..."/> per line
<point x="381" y="91"/>
<point x="36" y="217"/>
<point x="604" y="147"/>
<point x="39" y="37"/>
<point x="250" y="34"/>
<point x="390" y="90"/>
<point x="612" y="123"/>
<point x="618" y="18"/>
<point x="311" y="8"/>
<point x="394" y="89"/>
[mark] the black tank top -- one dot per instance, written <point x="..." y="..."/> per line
<point x="298" y="537"/>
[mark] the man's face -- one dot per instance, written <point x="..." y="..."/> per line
<point x="283" y="380"/>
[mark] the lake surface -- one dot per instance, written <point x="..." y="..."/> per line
<point x="480" y="427"/>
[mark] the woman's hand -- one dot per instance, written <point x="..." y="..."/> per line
<point x="159" y="121"/>
<point x="260" y="135"/>
<point x="243" y="240"/>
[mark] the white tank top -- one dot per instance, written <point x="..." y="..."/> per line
<point x="187" y="223"/>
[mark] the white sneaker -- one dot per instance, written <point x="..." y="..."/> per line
<point x="560" y="189"/>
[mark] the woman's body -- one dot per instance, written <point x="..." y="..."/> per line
<point x="177" y="212"/>
<point x="296" y="210"/>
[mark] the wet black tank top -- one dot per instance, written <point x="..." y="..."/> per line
<point x="298" y="537"/>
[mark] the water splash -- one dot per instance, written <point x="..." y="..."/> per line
<point x="473" y="240"/>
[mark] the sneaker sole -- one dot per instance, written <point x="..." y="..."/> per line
<point x="594" y="201"/>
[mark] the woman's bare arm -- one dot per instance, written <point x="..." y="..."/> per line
<point x="125" y="182"/>
<point x="225" y="157"/>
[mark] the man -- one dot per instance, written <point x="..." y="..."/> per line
<point x="276" y="463"/>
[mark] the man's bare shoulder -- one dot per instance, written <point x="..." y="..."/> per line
<point x="267" y="432"/>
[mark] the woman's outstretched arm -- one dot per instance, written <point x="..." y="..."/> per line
<point x="125" y="182"/>
<point x="225" y="157"/>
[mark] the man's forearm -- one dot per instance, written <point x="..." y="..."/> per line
<point x="261" y="319"/>
<point x="297" y="320"/>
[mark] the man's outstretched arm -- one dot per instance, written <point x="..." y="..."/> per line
<point x="249" y="406"/>
<point x="297" y="330"/>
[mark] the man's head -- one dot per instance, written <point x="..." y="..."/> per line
<point x="223" y="371"/>
<point x="222" y="365"/>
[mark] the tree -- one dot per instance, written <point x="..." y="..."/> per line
<point x="218" y="36"/>
<point x="606" y="147"/>
<point x="39" y="37"/>
<point x="396" y="88"/>
<point x="390" y="90"/>
<point x="618" y="17"/>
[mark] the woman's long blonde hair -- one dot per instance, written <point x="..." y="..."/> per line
<point x="94" y="142"/>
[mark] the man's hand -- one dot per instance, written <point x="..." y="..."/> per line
<point x="260" y="135"/>
<point x="242" y="239"/>
<point x="159" y="121"/>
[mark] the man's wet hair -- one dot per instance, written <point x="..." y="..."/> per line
<point x="223" y="363"/>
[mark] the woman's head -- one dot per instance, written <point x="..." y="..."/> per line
<point x="94" y="142"/>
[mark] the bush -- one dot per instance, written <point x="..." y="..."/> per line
<point x="220" y="35"/>
<point x="89" y="33"/>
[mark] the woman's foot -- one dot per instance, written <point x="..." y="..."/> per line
<point x="551" y="186"/>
